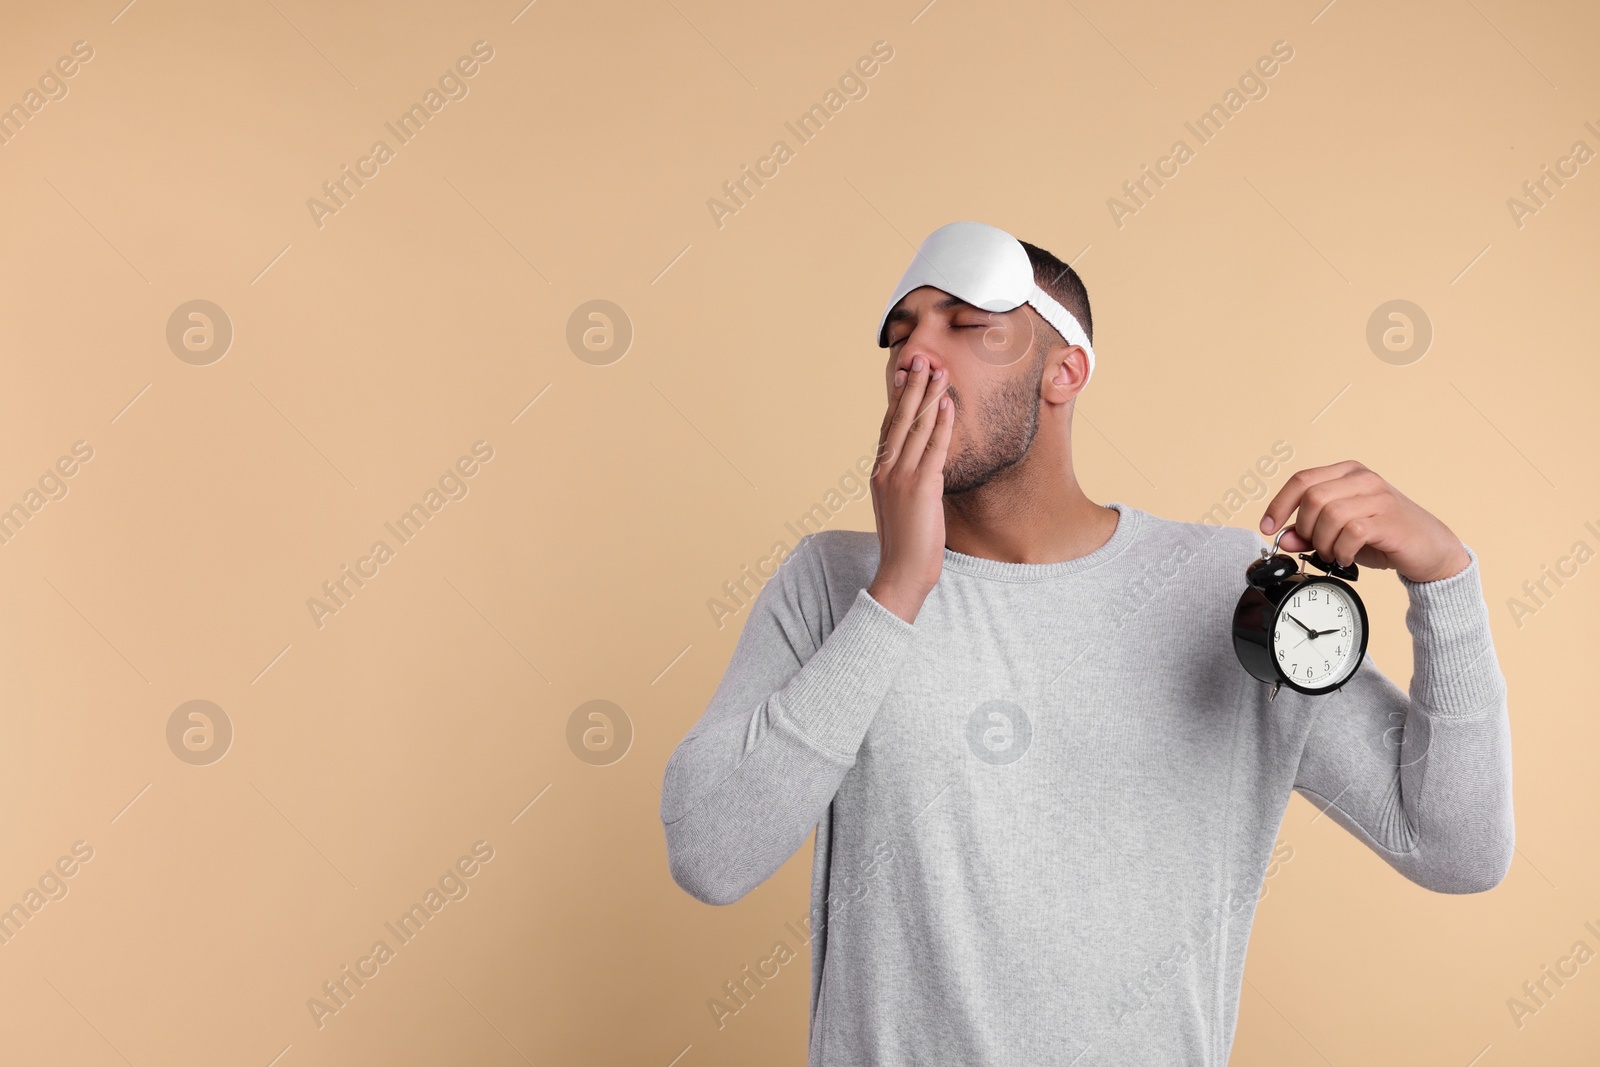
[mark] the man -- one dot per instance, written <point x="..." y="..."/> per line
<point x="1043" y="816"/>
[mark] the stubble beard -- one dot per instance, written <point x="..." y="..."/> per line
<point x="1011" y="416"/>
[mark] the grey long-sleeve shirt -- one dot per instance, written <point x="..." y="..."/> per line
<point x="1045" y="810"/>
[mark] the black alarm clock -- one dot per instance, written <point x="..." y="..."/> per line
<point x="1305" y="631"/>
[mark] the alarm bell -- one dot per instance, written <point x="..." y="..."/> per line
<point x="1275" y="566"/>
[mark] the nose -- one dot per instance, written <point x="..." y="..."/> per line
<point x="917" y="345"/>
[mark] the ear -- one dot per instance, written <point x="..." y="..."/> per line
<point x="1066" y="369"/>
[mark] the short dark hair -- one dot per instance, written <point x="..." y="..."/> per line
<point x="1061" y="282"/>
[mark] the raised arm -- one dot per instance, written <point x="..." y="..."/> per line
<point x="1424" y="781"/>
<point x="754" y="775"/>
<point x="746" y="786"/>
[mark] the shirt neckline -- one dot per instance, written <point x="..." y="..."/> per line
<point x="1129" y="519"/>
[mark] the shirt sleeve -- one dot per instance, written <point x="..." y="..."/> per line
<point x="745" y="787"/>
<point x="1424" y="782"/>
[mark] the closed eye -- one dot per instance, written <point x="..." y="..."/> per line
<point x="954" y="326"/>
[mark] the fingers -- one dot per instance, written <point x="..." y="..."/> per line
<point x="922" y="424"/>
<point x="1346" y="525"/>
<point x="1350" y="540"/>
<point x="904" y="409"/>
<point x="1328" y="506"/>
<point x="896" y="423"/>
<point x="885" y="457"/>
<point x="1293" y="495"/>
<point x="933" y="458"/>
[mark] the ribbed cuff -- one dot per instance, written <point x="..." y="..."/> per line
<point x="1455" y="670"/>
<point x="832" y="701"/>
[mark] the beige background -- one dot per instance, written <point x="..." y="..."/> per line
<point x="428" y="314"/>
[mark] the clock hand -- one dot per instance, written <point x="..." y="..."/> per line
<point x="1302" y="625"/>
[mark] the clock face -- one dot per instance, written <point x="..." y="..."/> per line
<point x="1329" y="613"/>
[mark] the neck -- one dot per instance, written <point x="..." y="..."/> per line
<point x="1032" y="512"/>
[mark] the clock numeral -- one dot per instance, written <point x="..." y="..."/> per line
<point x="1311" y="594"/>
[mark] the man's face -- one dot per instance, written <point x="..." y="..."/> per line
<point x="994" y="384"/>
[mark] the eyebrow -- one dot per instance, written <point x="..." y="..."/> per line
<point x="901" y="314"/>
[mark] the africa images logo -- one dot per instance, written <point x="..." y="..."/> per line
<point x="999" y="732"/>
